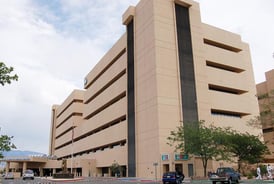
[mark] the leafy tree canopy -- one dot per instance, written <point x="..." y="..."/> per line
<point x="6" y="144"/>
<point x="5" y="74"/>
<point x="210" y="142"/>
<point x="115" y="168"/>
<point x="245" y="147"/>
<point x="197" y="139"/>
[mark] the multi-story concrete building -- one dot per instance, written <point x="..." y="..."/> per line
<point x="167" y="69"/>
<point x="265" y="92"/>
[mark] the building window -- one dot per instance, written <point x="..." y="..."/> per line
<point x="225" y="89"/>
<point x="223" y="67"/>
<point x="221" y="45"/>
<point x="225" y="113"/>
<point x="268" y="130"/>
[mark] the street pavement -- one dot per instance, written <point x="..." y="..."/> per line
<point x="98" y="180"/>
<point x="115" y="181"/>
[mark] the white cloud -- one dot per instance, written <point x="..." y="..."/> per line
<point x="52" y="47"/>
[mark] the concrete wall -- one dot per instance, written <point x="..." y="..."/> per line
<point x="225" y="91"/>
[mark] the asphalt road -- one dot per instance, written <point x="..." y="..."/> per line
<point x="115" y="181"/>
<point x="80" y="181"/>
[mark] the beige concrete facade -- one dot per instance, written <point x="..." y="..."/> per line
<point x="265" y="95"/>
<point x="225" y="89"/>
<point x="92" y="127"/>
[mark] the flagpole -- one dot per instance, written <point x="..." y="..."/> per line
<point x="72" y="137"/>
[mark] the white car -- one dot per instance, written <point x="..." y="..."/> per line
<point x="8" y="176"/>
<point x="28" y="174"/>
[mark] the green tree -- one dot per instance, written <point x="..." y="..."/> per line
<point x="216" y="143"/>
<point x="116" y="168"/>
<point x="245" y="147"/>
<point x="5" y="74"/>
<point x="197" y="139"/>
<point x="6" y="144"/>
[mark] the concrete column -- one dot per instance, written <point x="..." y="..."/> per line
<point x="7" y="167"/>
<point x="24" y="166"/>
<point x="41" y="171"/>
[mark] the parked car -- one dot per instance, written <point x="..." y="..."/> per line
<point x="28" y="174"/>
<point x="173" y="177"/>
<point x="8" y="176"/>
<point x="225" y="175"/>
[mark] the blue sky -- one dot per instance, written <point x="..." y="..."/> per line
<point x="53" y="44"/>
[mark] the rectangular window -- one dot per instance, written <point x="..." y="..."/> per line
<point x="225" y="89"/>
<point x="224" y="67"/>
<point x="219" y="112"/>
<point x="268" y="130"/>
<point x="221" y="45"/>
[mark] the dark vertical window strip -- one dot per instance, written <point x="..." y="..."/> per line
<point x="187" y="77"/>
<point x="131" y="101"/>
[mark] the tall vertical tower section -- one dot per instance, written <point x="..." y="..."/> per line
<point x="181" y="70"/>
<point x="159" y="72"/>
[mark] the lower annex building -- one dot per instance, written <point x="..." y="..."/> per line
<point x="266" y="104"/>
<point x="167" y="69"/>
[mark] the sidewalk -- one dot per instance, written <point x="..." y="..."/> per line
<point x="145" y="180"/>
<point x="50" y="179"/>
<point x="142" y="180"/>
